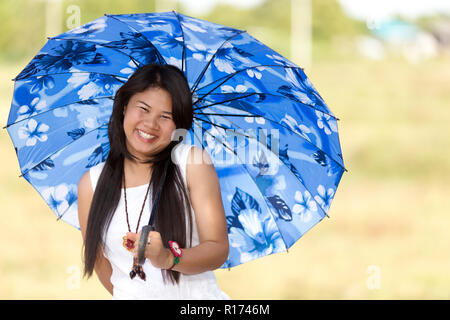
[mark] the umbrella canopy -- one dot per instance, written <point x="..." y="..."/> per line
<point x="273" y="140"/>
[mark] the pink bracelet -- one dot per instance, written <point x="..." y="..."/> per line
<point x="177" y="252"/>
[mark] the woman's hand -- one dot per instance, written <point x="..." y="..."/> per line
<point x="159" y="256"/>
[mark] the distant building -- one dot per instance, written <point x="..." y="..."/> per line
<point x="401" y="37"/>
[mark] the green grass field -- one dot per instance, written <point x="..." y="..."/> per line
<point x="387" y="237"/>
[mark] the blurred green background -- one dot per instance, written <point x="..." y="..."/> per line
<point x="387" y="80"/>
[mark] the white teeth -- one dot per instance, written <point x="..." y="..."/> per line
<point x="145" y="135"/>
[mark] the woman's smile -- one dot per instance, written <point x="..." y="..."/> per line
<point x="148" y="122"/>
<point x="145" y="137"/>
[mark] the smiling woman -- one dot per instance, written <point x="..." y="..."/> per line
<point x="114" y="197"/>
<point x="142" y="120"/>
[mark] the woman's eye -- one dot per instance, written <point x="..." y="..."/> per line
<point x="146" y="110"/>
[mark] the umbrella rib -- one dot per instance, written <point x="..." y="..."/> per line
<point x="160" y="57"/>
<point x="248" y="68"/>
<point x="52" y="74"/>
<point x="250" y="175"/>
<point x="232" y="115"/>
<point x="270" y="150"/>
<point x="34" y="166"/>
<point x="226" y="78"/>
<point x="210" y="60"/>
<point x="240" y="97"/>
<point x="216" y="125"/>
<point x="61" y="106"/>
<point x="104" y="45"/>
<point x="183" y="53"/>
<point x="262" y="93"/>
<point x="287" y="128"/>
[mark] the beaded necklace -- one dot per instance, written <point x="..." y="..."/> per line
<point x="127" y="243"/>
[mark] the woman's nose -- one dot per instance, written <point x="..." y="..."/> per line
<point x="151" y="120"/>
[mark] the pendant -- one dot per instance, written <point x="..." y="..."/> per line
<point x="127" y="243"/>
<point x="137" y="270"/>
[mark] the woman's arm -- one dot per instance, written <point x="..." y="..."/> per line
<point x="85" y="194"/>
<point x="204" y="192"/>
<point x="206" y="200"/>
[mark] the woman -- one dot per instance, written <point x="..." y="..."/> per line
<point x="115" y="197"/>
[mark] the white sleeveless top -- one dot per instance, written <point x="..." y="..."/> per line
<point x="197" y="286"/>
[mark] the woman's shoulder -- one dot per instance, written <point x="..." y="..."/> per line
<point x="198" y="165"/>
<point x="91" y="176"/>
<point x="95" y="172"/>
<point x="180" y="153"/>
<point x="97" y="167"/>
<point x="85" y="191"/>
<point x="197" y="155"/>
<point x="189" y="154"/>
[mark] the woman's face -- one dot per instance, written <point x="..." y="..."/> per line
<point x="148" y="122"/>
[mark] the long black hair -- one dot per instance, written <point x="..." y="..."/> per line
<point x="170" y="219"/>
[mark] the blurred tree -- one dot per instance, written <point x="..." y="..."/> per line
<point x="22" y="28"/>
<point x="428" y="22"/>
<point x="22" y="22"/>
<point x="91" y="10"/>
<point x="329" y="20"/>
<point x="270" y="22"/>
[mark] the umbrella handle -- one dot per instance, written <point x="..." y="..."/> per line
<point x="143" y="243"/>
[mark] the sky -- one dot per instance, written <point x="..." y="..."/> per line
<point x="204" y="6"/>
<point x="383" y="9"/>
<point x="362" y="9"/>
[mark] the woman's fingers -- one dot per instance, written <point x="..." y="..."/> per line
<point x="152" y="251"/>
<point x="154" y="235"/>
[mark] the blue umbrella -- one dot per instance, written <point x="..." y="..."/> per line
<point x="273" y="140"/>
